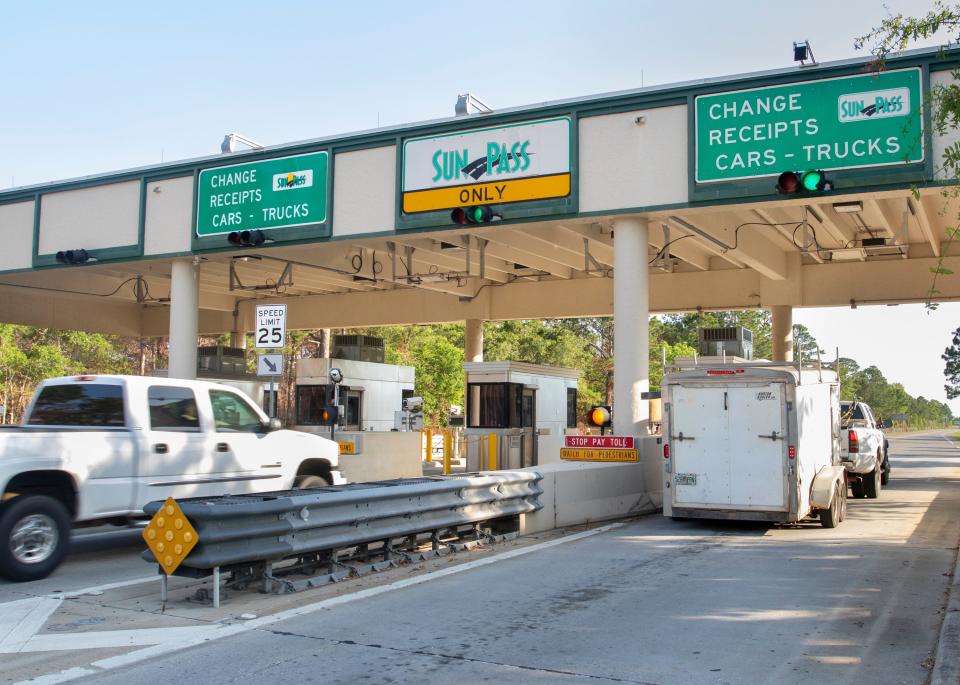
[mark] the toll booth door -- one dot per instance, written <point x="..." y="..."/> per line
<point x="528" y="425"/>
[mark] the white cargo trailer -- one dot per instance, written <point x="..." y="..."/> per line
<point x="753" y="441"/>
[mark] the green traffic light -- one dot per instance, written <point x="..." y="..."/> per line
<point x="477" y="214"/>
<point x="812" y="180"/>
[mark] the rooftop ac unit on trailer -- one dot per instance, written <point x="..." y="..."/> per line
<point x="730" y="341"/>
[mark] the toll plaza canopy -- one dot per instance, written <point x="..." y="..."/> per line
<point x="663" y="199"/>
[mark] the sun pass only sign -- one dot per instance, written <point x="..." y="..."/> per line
<point x="488" y="166"/>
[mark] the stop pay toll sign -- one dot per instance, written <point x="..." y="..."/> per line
<point x="271" y="330"/>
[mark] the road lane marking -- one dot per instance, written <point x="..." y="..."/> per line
<point x="107" y="639"/>
<point x="950" y="442"/>
<point x="218" y="631"/>
<point x="20" y="620"/>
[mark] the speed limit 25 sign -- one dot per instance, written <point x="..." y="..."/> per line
<point x="271" y="330"/>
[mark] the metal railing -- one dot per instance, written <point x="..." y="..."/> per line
<point x="240" y="531"/>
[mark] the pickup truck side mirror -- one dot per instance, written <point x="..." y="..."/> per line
<point x="886" y="423"/>
<point x="272" y="425"/>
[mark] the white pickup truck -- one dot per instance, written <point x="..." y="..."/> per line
<point x="96" y="449"/>
<point x="864" y="452"/>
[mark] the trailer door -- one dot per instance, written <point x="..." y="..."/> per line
<point x="729" y="446"/>
<point x="699" y="438"/>
<point x="757" y="446"/>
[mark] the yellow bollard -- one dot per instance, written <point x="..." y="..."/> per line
<point x="492" y="452"/>
<point x="447" y="451"/>
<point x="429" y="434"/>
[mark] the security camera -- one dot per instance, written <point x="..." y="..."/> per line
<point x="336" y="375"/>
<point x="413" y="404"/>
<point x="456" y="409"/>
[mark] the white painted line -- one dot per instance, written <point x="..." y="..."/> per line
<point x="950" y="442"/>
<point x="236" y="628"/>
<point x="21" y="620"/>
<point x="61" y="677"/>
<point x="107" y="639"/>
<point x="73" y="594"/>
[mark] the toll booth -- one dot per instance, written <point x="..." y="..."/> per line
<point x="526" y="408"/>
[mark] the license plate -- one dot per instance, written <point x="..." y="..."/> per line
<point x="685" y="479"/>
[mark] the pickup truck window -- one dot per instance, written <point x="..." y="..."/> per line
<point x="850" y="411"/>
<point x="79" y="404"/>
<point x="173" y="409"/>
<point x="231" y="414"/>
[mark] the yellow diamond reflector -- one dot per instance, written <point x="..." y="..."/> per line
<point x="170" y="536"/>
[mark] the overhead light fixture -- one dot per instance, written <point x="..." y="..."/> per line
<point x="802" y="52"/>
<point x="230" y="141"/>
<point x="848" y="207"/>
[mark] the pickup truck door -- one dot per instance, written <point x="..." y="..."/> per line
<point x="240" y="439"/>
<point x="178" y="457"/>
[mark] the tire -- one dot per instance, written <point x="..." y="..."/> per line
<point x="885" y="470"/>
<point x="871" y="482"/>
<point x="830" y="518"/>
<point x="857" y="487"/>
<point x="307" y="482"/>
<point x="34" y="537"/>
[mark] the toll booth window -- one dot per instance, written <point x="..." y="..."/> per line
<point x="80" y="404"/>
<point x="231" y="414"/>
<point x="311" y="399"/>
<point x="571" y="407"/>
<point x="494" y="405"/>
<point x="173" y="409"/>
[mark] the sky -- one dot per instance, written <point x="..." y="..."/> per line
<point x="92" y="86"/>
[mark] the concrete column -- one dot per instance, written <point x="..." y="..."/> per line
<point x="184" y="313"/>
<point x="473" y="351"/>
<point x="631" y="327"/>
<point x="782" y="335"/>
<point x="238" y="339"/>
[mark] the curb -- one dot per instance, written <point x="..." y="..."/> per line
<point x="946" y="669"/>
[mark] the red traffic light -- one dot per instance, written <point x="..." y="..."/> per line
<point x="788" y="183"/>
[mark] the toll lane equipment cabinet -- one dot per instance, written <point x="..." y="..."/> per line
<point x="757" y="441"/>
<point x="527" y="407"/>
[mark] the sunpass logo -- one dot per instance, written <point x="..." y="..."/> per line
<point x="293" y="180"/>
<point x="876" y="104"/>
<point x="499" y="159"/>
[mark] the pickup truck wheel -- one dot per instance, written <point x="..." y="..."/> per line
<point x="830" y="518"/>
<point x="885" y="470"/>
<point x="307" y="482"/>
<point x="34" y="537"/>
<point x="871" y="483"/>
<point x="857" y="487"/>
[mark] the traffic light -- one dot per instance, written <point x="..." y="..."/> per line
<point x="74" y="257"/>
<point x="600" y="416"/>
<point x="330" y="415"/>
<point x="795" y="182"/>
<point x="478" y="214"/>
<point x="253" y="238"/>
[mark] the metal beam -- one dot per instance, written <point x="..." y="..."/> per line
<point x="751" y="248"/>
<point x="920" y="212"/>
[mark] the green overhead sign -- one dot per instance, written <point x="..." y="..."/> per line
<point x="269" y="194"/>
<point x="849" y="122"/>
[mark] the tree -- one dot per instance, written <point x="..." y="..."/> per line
<point x="951" y="356"/>
<point x="896" y="33"/>
<point x="805" y="346"/>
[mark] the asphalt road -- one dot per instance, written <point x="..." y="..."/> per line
<point x="653" y="601"/>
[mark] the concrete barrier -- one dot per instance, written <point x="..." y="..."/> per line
<point x="381" y="455"/>
<point x="575" y="493"/>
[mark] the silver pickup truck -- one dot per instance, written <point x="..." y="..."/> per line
<point x="863" y="449"/>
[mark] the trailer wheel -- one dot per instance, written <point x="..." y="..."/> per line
<point x="857" y="486"/>
<point x="831" y="518"/>
<point x="34" y="537"/>
<point x="871" y="482"/>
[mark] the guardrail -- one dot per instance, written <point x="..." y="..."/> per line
<point x="243" y="531"/>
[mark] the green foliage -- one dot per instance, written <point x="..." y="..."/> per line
<point x="30" y="355"/>
<point x="951" y="371"/>
<point x="804" y="344"/>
